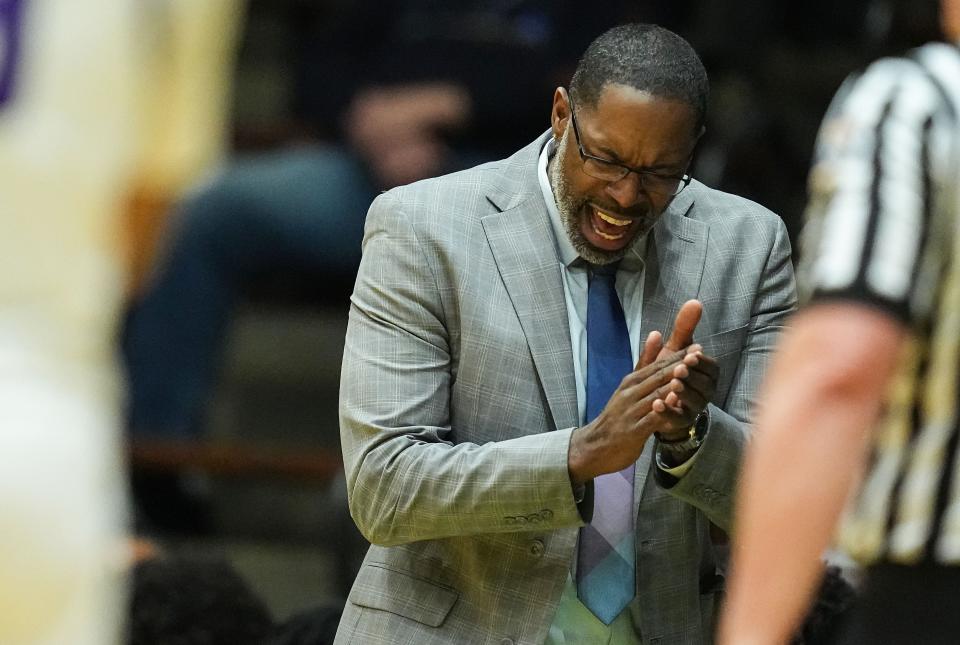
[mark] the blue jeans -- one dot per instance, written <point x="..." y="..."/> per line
<point x="298" y="213"/>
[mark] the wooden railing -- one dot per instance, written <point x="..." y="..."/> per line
<point x="234" y="459"/>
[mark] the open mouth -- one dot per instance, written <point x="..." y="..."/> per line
<point x="613" y="228"/>
<point x="606" y="230"/>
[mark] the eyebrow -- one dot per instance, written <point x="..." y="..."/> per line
<point x="615" y="158"/>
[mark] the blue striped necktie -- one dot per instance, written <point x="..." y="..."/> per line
<point x="606" y="557"/>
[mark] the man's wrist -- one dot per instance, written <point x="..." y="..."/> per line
<point x="576" y="459"/>
<point x="674" y="436"/>
<point x="678" y="448"/>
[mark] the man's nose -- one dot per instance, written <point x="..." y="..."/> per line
<point x="627" y="191"/>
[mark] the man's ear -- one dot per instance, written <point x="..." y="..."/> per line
<point x="560" y="113"/>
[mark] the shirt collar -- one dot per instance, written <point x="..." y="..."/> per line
<point x="632" y="261"/>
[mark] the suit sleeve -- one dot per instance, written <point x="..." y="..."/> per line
<point x="406" y="479"/>
<point x="711" y="481"/>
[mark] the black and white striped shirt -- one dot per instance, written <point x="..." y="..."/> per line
<point x="883" y="229"/>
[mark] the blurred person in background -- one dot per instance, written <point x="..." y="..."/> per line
<point x="189" y="600"/>
<point x="77" y="83"/>
<point x="864" y="388"/>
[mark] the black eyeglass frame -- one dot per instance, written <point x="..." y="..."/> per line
<point x="645" y="175"/>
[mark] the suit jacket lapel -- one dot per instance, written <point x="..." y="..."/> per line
<point x="525" y="252"/>
<point x="674" y="266"/>
<point x="676" y="253"/>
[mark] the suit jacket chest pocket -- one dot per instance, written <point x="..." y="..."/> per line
<point x="726" y="348"/>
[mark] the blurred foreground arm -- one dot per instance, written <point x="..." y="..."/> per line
<point x="823" y="393"/>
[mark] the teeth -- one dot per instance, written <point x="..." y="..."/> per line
<point x="612" y="220"/>
<point x="606" y="236"/>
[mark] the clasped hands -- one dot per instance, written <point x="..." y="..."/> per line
<point x="671" y="384"/>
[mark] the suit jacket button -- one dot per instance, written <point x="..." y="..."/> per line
<point x="537" y="548"/>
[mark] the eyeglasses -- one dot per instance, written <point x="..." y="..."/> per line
<point x="611" y="171"/>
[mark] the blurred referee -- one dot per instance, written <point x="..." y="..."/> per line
<point x="865" y="386"/>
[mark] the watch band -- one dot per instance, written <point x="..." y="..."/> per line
<point x="689" y="443"/>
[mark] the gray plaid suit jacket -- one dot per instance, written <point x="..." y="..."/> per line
<point x="457" y="401"/>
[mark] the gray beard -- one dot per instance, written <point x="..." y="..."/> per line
<point x="571" y="212"/>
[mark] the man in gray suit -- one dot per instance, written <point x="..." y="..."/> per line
<point x="481" y="462"/>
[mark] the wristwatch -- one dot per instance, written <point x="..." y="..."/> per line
<point x="689" y="444"/>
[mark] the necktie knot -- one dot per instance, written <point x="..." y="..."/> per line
<point x="604" y="271"/>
